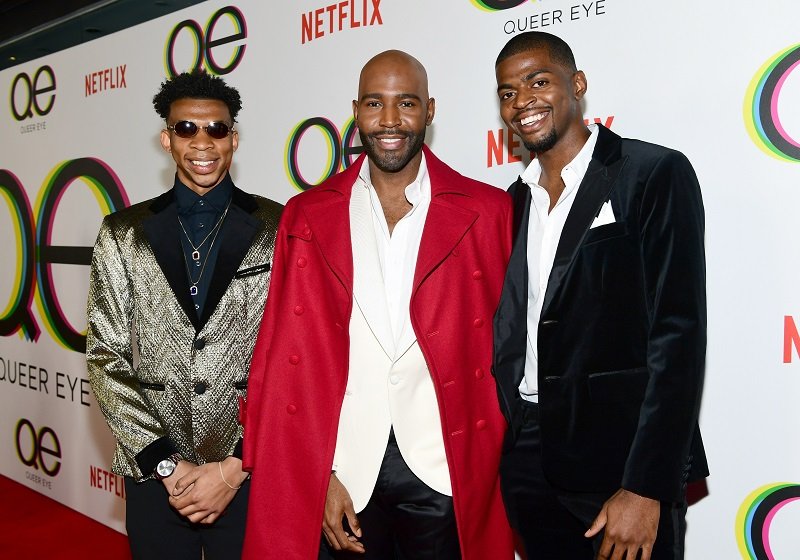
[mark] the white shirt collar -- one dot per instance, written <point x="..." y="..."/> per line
<point x="573" y="172"/>
<point x="416" y="192"/>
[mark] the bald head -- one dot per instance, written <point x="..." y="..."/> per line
<point x="389" y="63"/>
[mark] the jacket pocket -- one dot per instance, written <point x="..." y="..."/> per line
<point x="607" y="231"/>
<point x="626" y="385"/>
<point x="152" y="386"/>
<point x="252" y="271"/>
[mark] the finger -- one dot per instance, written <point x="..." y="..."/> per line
<point x="182" y="501"/>
<point x="328" y="534"/>
<point x="185" y="481"/>
<point x="188" y="511"/>
<point x="352" y="519"/>
<point x="597" y="525"/>
<point x="604" y="553"/>
<point x="345" y="542"/>
<point x="621" y="552"/>
<point x="647" y="551"/>
<point x="209" y="519"/>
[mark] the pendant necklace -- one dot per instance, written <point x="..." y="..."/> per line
<point x="215" y="231"/>
<point x="196" y="248"/>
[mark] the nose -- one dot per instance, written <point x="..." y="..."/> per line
<point x="524" y="98"/>
<point x="390" y="116"/>
<point x="201" y="140"/>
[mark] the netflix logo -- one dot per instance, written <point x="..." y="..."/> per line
<point x="340" y="16"/>
<point x="107" y="481"/>
<point x="105" y="80"/>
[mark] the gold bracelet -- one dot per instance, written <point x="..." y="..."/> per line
<point x="225" y="481"/>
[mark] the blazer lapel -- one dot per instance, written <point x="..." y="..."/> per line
<point x="593" y="191"/>
<point x="237" y="234"/>
<point x="368" y="282"/>
<point x="510" y="321"/>
<point x="329" y="224"/>
<point x="161" y="231"/>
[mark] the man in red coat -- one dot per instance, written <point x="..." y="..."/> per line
<point x="372" y="417"/>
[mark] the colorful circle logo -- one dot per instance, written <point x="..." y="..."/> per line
<point x="761" y="106"/>
<point x="755" y="517"/>
<point x="496" y="5"/>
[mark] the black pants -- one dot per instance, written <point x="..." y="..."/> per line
<point x="550" y="521"/>
<point x="156" y="530"/>
<point x="404" y="518"/>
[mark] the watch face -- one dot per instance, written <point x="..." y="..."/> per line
<point x="165" y="468"/>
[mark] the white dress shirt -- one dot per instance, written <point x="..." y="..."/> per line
<point x="544" y="233"/>
<point x="398" y="252"/>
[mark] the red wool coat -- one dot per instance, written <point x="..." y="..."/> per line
<point x="300" y="364"/>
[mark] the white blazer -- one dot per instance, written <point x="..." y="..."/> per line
<point x="388" y="384"/>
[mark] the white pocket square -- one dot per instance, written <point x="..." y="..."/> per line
<point x="606" y="216"/>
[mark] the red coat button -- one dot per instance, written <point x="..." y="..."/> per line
<point x="294" y="360"/>
<point x="306" y="231"/>
<point x="299" y="309"/>
<point x="291" y="409"/>
<point x="477" y="323"/>
<point x="477" y="275"/>
<point x="480" y="424"/>
<point x="479" y="373"/>
<point x="302" y="262"/>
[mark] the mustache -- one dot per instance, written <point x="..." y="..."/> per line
<point x="389" y="132"/>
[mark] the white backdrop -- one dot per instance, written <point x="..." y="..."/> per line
<point x="716" y="80"/>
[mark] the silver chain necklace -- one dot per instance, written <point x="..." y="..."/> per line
<point x="215" y="231"/>
<point x="196" y="248"/>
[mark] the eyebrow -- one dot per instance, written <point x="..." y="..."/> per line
<point x="526" y="78"/>
<point x="398" y="96"/>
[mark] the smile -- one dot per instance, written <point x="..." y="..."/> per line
<point x="532" y="119"/>
<point x="202" y="163"/>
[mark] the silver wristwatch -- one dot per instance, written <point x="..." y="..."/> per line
<point x="166" y="467"/>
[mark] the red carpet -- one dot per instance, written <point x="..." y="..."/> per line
<point x="34" y="527"/>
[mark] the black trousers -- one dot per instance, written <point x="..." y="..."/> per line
<point x="404" y="518"/>
<point x="551" y="521"/>
<point x="156" y="530"/>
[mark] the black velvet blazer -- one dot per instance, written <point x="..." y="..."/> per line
<point x="622" y="334"/>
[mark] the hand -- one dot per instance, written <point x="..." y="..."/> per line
<point x="202" y="496"/>
<point x="181" y="469"/>
<point x="338" y="505"/>
<point x="631" y="524"/>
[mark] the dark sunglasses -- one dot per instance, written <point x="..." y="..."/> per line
<point x="188" y="129"/>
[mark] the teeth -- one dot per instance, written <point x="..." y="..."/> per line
<point x="532" y="119"/>
<point x="202" y="163"/>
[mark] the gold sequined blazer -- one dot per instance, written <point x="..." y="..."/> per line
<point x="166" y="379"/>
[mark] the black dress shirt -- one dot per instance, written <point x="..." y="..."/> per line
<point x="198" y="216"/>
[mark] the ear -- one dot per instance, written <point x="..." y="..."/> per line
<point x="580" y="85"/>
<point x="355" y="110"/>
<point x="235" y="139"/>
<point x="166" y="141"/>
<point x="431" y="111"/>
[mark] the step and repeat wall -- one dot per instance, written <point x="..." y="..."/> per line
<point x="716" y="80"/>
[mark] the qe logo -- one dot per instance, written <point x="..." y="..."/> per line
<point x="497" y="5"/>
<point x="28" y="90"/>
<point x="35" y="251"/>
<point x="204" y="42"/>
<point x="341" y="151"/>
<point x="761" y="106"/>
<point x="38" y="449"/>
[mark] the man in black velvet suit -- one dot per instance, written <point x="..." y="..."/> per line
<point x="600" y="335"/>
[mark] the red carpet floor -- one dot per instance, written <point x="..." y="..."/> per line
<point x="34" y="527"/>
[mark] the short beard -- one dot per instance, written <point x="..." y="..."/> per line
<point x="543" y="144"/>
<point x="392" y="162"/>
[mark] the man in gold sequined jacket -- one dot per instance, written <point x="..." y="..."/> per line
<point x="176" y="294"/>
